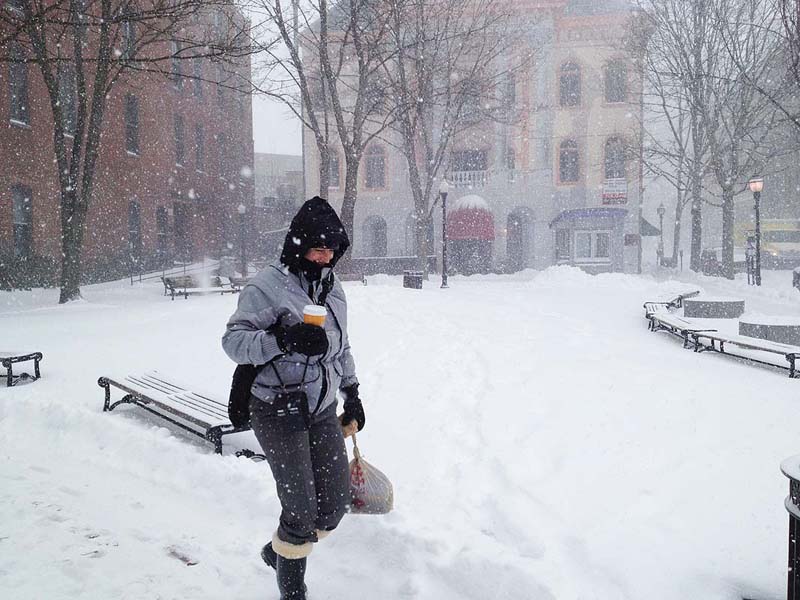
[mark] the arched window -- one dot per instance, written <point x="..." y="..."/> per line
<point x="616" y="84"/>
<point x="375" y="236"/>
<point x="570" y="85"/>
<point x="615" y="158"/>
<point x="376" y="167"/>
<point x="568" y="162"/>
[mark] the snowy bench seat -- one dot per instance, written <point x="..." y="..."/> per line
<point x="9" y="359"/>
<point x="186" y="285"/>
<point x="660" y="317"/>
<point x="197" y="413"/>
<point x="749" y="348"/>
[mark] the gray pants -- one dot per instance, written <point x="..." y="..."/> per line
<point x="310" y="468"/>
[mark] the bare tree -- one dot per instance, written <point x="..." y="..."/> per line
<point x="82" y="48"/>
<point x="746" y="132"/>
<point x="331" y="62"/>
<point x="677" y="43"/>
<point x="450" y="60"/>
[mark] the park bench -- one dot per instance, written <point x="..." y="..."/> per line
<point x="9" y="359"/>
<point x="748" y="348"/>
<point x="196" y="413"/>
<point x="186" y="285"/>
<point x="661" y="318"/>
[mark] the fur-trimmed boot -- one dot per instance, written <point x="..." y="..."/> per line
<point x="291" y="576"/>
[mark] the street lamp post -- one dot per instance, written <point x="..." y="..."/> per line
<point x="242" y="209"/>
<point x="661" y="211"/>
<point x="444" y="188"/>
<point x="756" y="184"/>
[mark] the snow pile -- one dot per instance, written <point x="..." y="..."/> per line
<point x="541" y="442"/>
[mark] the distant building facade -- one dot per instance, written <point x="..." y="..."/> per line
<point x="278" y="195"/>
<point x="175" y="162"/>
<point x="560" y="183"/>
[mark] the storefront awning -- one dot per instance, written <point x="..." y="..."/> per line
<point x="599" y="212"/>
<point x="646" y="229"/>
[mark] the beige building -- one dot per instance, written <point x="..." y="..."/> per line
<point x="559" y="184"/>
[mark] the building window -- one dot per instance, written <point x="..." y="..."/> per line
<point x="562" y="245"/>
<point x="470" y="101"/>
<point x="375" y="236"/>
<point x="134" y="232"/>
<point x="568" y="162"/>
<point x="131" y="124"/>
<point x="177" y="74"/>
<point x="221" y="79"/>
<point x="180" y="147"/>
<point x="199" y="148"/>
<point x="615" y="159"/>
<point x="334" y="175"/>
<point x="468" y="160"/>
<point x="570" y="85"/>
<point x="128" y="39"/>
<point x="18" y="86"/>
<point x="23" y="221"/>
<point x="376" y="167"/>
<point x="592" y="246"/>
<point x="66" y="98"/>
<point x="510" y="163"/>
<point x="616" y="84"/>
<point x="510" y="91"/>
<point x="197" y="82"/>
<point x="162" y="233"/>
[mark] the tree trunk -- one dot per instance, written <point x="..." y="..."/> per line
<point x="727" y="233"/>
<point x="697" y="225"/>
<point x="70" y="250"/>
<point x="676" y="232"/>
<point x="349" y="207"/>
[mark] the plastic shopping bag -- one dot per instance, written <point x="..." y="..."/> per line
<point x="371" y="491"/>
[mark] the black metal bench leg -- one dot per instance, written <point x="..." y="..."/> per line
<point x="103" y="383"/>
<point x="214" y="435"/>
<point x="9" y="373"/>
<point x="36" y="371"/>
<point x="793" y="583"/>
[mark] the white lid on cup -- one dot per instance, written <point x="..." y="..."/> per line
<point x="314" y="310"/>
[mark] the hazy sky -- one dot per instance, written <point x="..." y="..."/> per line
<point x="275" y="129"/>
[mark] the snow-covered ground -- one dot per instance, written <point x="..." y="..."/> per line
<point x="542" y="444"/>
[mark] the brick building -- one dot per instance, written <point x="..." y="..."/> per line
<point x="175" y="162"/>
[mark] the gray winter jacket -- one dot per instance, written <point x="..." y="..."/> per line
<point x="276" y="296"/>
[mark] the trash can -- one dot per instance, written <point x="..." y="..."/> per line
<point x="791" y="468"/>
<point x="413" y="279"/>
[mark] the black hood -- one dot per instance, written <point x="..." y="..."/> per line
<point x="316" y="225"/>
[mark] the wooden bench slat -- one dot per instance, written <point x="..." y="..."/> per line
<point x="203" y="407"/>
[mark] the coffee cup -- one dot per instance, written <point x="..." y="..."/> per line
<point x="314" y="315"/>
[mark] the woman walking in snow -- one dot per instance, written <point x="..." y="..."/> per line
<point x="293" y="398"/>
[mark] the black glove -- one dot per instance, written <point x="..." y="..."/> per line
<point x="302" y="338"/>
<point x="353" y="409"/>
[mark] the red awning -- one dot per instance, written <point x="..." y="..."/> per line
<point x="470" y="224"/>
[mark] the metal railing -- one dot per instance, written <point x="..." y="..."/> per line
<point x="466" y="179"/>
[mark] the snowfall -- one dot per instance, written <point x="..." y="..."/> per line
<point x="542" y="443"/>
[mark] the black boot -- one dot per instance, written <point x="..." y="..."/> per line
<point x="269" y="556"/>
<point x="291" y="573"/>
